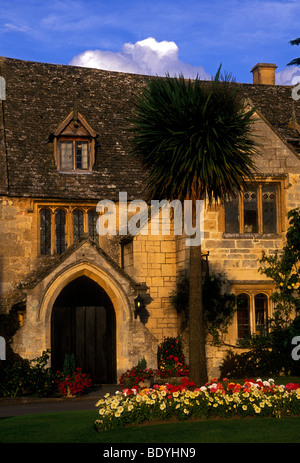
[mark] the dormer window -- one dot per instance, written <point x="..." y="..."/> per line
<point x="74" y="145"/>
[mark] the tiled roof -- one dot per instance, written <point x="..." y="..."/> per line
<point x="40" y="96"/>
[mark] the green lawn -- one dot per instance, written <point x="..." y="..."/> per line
<point x="77" y="427"/>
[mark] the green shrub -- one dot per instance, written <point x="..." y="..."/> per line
<point x="69" y="364"/>
<point x="14" y="379"/>
<point x="23" y="376"/>
<point x="41" y="379"/>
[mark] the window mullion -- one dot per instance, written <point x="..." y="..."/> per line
<point x="278" y="209"/>
<point x="259" y="209"/>
<point x="53" y="232"/>
<point x="252" y="314"/>
<point x="241" y="211"/>
<point x="74" y="155"/>
<point x="85" y="222"/>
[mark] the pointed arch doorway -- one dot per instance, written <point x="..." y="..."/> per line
<point x="83" y="323"/>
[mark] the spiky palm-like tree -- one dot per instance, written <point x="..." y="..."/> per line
<point x="296" y="61"/>
<point x="195" y="140"/>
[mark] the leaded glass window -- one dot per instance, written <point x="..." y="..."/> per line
<point x="269" y="208"/>
<point x="78" y="224"/>
<point x="250" y="210"/>
<point x="243" y="315"/>
<point x="92" y="219"/>
<point x="261" y="312"/>
<point x="45" y="231"/>
<point x="60" y="231"/>
<point x="74" y="155"/>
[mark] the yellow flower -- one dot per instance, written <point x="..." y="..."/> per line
<point x="162" y="406"/>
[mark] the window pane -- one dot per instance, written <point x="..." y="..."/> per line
<point x="66" y="155"/>
<point x="93" y="216"/>
<point x="77" y="224"/>
<point x="269" y="209"/>
<point x="81" y="155"/>
<point x="250" y="210"/>
<point x="45" y="231"/>
<point x="232" y="215"/>
<point x="60" y="231"/>
<point x="261" y="312"/>
<point x="243" y="315"/>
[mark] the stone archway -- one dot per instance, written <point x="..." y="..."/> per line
<point x="133" y="339"/>
<point x="83" y="324"/>
<point x="118" y="289"/>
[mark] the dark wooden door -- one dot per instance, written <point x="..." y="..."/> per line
<point x="83" y="324"/>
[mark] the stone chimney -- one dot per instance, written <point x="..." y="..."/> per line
<point x="264" y="73"/>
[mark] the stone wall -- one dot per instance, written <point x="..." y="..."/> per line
<point x="151" y="258"/>
<point x="18" y="252"/>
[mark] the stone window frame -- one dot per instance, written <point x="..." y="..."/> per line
<point x="69" y="224"/>
<point x="280" y="181"/>
<point x="252" y="290"/>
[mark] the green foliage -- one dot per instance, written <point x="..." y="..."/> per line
<point x="268" y="356"/>
<point x="194" y="138"/>
<point x="9" y="324"/>
<point x="252" y="364"/>
<point x="296" y="61"/>
<point x="283" y="268"/>
<point x="180" y="299"/>
<point x="142" y="364"/>
<point x="219" y="306"/>
<point x="14" y="379"/>
<point x="23" y="376"/>
<point x="69" y="365"/>
<point x="41" y="379"/>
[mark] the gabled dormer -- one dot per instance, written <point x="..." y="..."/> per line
<point x="74" y="144"/>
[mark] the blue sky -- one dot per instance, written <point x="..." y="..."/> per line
<point x="155" y="37"/>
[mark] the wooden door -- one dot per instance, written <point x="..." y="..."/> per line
<point x="83" y="324"/>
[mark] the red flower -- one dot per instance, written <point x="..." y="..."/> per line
<point x="292" y="386"/>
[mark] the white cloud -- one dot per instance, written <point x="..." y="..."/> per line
<point x="289" y="76"/>
<point x="143" y="57"/>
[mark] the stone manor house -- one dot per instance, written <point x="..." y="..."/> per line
<point x="63" y="148"/>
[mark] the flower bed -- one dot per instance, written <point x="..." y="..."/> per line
<point x="73" y="384"/>
<point x="185" y="401"/>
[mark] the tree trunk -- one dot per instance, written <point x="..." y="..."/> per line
<point x="197" y="351"/>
